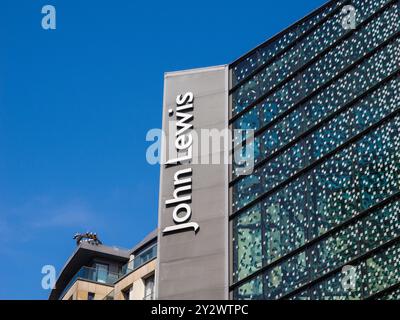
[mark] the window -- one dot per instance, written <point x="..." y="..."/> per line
<point x="144" y="256"/>
<point x="149" y="288"/>
<point x="126" y="293"/>
<point x="101" y="272"/>
<point x="91" y="295"/>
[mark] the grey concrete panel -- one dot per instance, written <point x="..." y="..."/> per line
<point x="195" y="265"/>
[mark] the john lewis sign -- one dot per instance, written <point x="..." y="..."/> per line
<point x="192" y="261"/>
<point x="182" y="194"/>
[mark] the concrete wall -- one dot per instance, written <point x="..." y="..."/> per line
<point x="195" y="265"/>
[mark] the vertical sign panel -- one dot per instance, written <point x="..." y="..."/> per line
<point x="193" y="204"/>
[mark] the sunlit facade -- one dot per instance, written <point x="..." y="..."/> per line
<point x="317" y="216"/>
<point x="99" y="272"/>
<point x="324" y="194"/>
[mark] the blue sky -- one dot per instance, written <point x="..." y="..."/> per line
<point x="76" y="104"/>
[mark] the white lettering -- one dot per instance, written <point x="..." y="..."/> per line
<point x="181" y="196"/>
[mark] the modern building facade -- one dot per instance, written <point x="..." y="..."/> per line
<point x="317" y="217"/>
<point x="313" y="211"/>
<point x="99" y="272"/>
<point x="324" y="102"/>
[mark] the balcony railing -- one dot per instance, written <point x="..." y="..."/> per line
<point x="92" y="274"/>
<point x="105" y="277"/>
<point x="139" y="260"/>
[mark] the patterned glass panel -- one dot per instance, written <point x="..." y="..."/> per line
<point x="394" y="295"/>
<point x="322" y="199"/>
<point x="303" y="220"/>
<point x="247" y="243"/>
<point x="346" y="54"/>
<point x="366" y="112"/>
<point x="267" y="52"/>
<point x="309" y="48"/>
<point x="289" y="162"/>
<point x="252" y="290"/>
<point x="372" y="275"/>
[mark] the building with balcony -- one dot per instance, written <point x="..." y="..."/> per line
<point x="99" y="272"/>
<point x="304" y="203"/>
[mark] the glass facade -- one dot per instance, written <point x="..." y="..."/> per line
<point x="324" y="195"/>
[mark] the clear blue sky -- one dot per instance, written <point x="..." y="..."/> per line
<point x="76" y="104"/>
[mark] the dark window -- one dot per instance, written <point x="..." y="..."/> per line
<point x="126" y="292"/>
<point x="91" y="296"/>
<point x="101" y="272"/>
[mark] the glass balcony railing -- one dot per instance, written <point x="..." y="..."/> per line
<point x="92" y="274"/>
<point x="140" y="259"/>
<point x="106" y="277"/>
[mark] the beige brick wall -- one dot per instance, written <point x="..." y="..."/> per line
<point x="81" y="288"/>
<point x="135" y="281"/>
